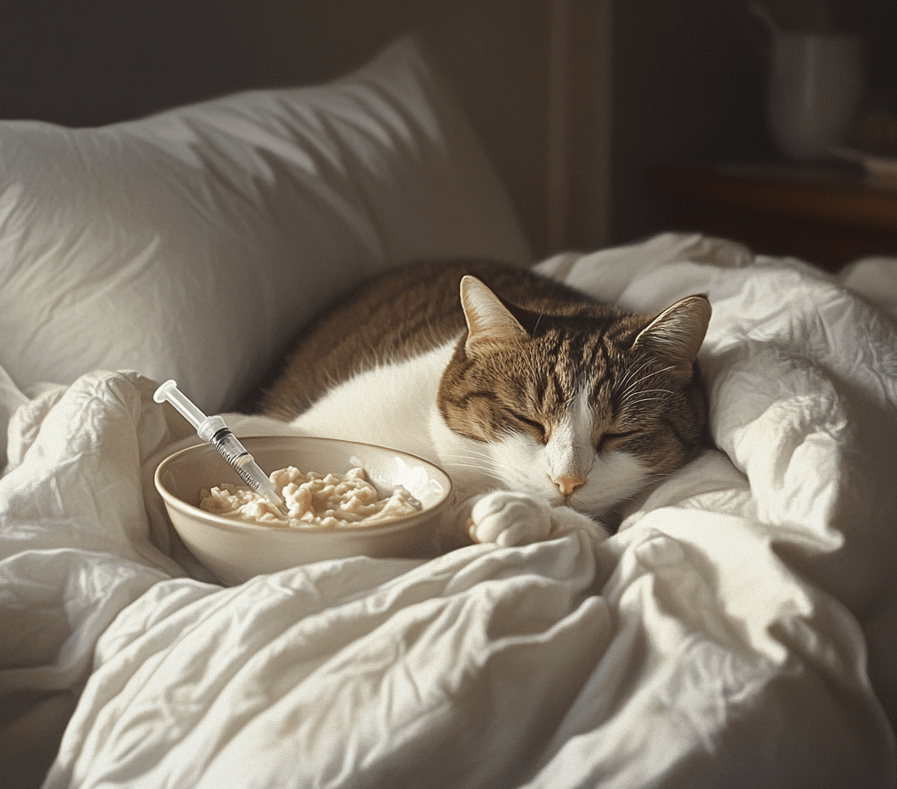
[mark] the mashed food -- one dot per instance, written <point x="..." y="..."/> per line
<point x="313" y="501"/>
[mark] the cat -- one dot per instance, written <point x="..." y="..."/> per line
<point x="547" y="408"/>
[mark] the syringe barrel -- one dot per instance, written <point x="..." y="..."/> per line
<point x="210" y="426"/>
<point x="230" y="448"/>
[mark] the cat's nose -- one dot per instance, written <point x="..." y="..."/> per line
<point x="566" y="485"/>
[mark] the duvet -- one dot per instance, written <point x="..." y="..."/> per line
<point x="739" y="629"/>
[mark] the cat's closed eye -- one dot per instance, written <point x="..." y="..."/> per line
<point x="533" y="427"/>
<point x="610" y="440"/>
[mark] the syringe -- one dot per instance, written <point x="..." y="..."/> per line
<point x="216" y="432"/>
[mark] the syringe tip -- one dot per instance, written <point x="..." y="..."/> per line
<point x="274" y="498"/>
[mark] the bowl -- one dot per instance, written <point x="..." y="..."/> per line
<point x="237" y="550"/>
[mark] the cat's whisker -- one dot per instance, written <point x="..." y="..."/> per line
<point x="472" y="464"/>
<point x="654" y="392"/>
<point x="470" y="454"/>
<point x="637" y="393"/>
<point x="468" y="463"/>
<point x="480" y="458"/>
<point x="483" y="472"/>
<point x="633" y="371"/>
<point x="646" y="400"/>
<point x="631" y="384"/>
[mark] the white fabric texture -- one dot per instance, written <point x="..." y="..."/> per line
<point x="736" y="632"/>
<point x="194" y="243"/>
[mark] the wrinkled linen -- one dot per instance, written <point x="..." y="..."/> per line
<point x="738" y="630"/>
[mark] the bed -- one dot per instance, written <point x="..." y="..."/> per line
<point x="738" y="629"/>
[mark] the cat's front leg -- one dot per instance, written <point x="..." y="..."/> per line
<point x="507" y="518"/>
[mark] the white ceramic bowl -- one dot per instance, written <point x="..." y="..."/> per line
<point x="237" y="550"/>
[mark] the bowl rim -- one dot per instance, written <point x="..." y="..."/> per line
<point x="236" y="525"/>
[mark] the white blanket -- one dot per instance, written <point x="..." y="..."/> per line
<point x="739" y="630"/>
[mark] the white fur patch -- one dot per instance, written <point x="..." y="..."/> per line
<point x="390" y="405"/>
<point x="569" y="450"/>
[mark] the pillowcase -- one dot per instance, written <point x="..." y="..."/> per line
<point x="194" y="243"/>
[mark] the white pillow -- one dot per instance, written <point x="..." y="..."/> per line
<point x="194" y="243"/>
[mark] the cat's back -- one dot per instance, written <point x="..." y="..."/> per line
<point x="396" y="317"/>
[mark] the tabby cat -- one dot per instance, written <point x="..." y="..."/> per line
<point x="546" y="408"/>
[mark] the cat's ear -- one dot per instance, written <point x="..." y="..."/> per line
<point x="488" y="320"/>
<point x="678" y="331"/>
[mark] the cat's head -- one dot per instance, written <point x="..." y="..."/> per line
<point x="582" y="408"/>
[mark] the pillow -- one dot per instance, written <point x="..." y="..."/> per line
<point x="194" y="243"/>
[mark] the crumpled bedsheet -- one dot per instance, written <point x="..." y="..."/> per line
<point x="738" y="630"/>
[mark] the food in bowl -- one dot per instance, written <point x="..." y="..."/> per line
<point x="236" y="550"/>
<point x="327" y="501"/>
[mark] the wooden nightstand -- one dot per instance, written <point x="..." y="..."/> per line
<point x="826" y="215"/>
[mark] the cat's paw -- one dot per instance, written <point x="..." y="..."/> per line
<point x="507" y="518"/>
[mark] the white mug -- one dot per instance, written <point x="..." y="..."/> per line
<point x="816" y="86"/>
